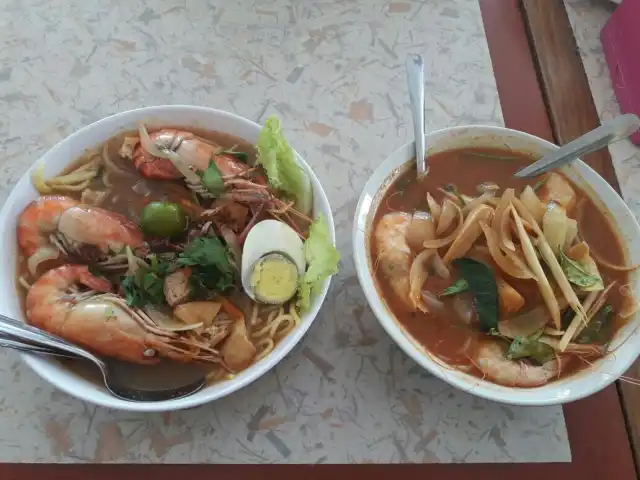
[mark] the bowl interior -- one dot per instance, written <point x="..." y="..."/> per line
<point x="588" y="381"/>
<point x="73" y="146"/>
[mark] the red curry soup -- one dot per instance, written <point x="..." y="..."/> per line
<point x="519" y="282"/>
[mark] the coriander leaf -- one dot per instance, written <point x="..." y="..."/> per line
<point x="283" y="171"/>
<point x="322" y="261"/>
<point x="146" y="286"/>
<point x="212" y="179"/>
<point x="530" y="347"/>
<point x="211" y="267"/>
<point x="459" y="286"/>
<point x="599" y="329"/>
<point x="482" y="284"/>
<point x="578" y="274"/>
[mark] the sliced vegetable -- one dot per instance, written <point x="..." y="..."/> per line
<point x="513" y="266"/>
<point x="434" y="208"/>
<point x="525" y="324"/>
<point x="558" y="189"/>
<point x="447" y="216"/>
<point x="579" y="274"/>
<point x="163" y="219"/>
<point x="482" y="284"/>
<point x="469" y="233"/>
<point x="459" y="286"/>
<point x="322" y="261"/>
<point x="443" y="242"/>
<point x="212" y="179"/>
<point x="283" y="170"/>
<point x="451" y="189"/>
<point x="510" y="299"/>
<point x="530" y="200"/>
<point x="420" y="229"/>
<point x="599" y="329"/>
<point x="554" y="226"/>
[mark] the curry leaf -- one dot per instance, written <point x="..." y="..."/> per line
<point x="577" y="273"/>
<point x="459" y="286"/>
<point x="530" y="347"/>
<point x="482" y="284"/>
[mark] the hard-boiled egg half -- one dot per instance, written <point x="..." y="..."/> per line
<point x="272" y="262"/>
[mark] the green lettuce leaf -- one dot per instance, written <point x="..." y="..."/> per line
<point x="283" y="171"/>
<point x="459" y="286"/>
<point x="322" y="261"/>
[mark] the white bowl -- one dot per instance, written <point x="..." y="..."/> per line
<point x="586" y="382"/>
<point x="55" y="160"/>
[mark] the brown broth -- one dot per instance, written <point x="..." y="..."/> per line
<point x="445" y="336"/>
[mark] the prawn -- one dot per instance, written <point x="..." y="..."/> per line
<point x="394" y="254"/>
<point x="171" y="154"/>
<point x="492" y="362"/>
<point x="102" y="321"/>
<point x="69" y="226"/>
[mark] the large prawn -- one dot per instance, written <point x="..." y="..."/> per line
<point x="492" y="362"/>
<point x="394" y="255"/>
<point x="104" y="323"/>
<point x="58" y="224"/>
<point x="171" y="154"/>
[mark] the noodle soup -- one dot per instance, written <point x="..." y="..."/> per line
<point x="150" y="248"/>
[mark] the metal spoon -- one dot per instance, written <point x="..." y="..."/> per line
<point x="151" y="381"/>
<point x="609" y="132"/>
<point x="415" y="80"/>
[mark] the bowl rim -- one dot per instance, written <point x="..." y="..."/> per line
<point x="462" y="381"/>
<point x="42" y="366"/>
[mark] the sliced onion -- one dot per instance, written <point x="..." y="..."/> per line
<point x="469" y="233"/>
<point x="420" y="229"/>
<point x="434" y="208"/>
<point x="447" y="216"/>
<point x="505" y="263"/>
<point x="439" y="267"/>
<point x="499" y="217"/>
<point x="432" y="303"/>
<point x="554" y="226"/>
<point x="418" y="274"/>
<point x="443" y="242"/>
<point x="481" y="200"/>
<point x="42" y="255"/>
<point x="534" y="205"/>
<point x="463" y="306"/>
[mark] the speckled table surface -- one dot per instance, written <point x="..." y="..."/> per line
<point x="334" y="72"/>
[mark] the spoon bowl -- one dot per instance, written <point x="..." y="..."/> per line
<point x="132" y="382"/>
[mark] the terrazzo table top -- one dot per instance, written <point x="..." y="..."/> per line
<point x="334" y="73"/>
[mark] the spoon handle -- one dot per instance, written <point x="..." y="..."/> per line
<point x="415" y="80"/>
<point x="39" y="338"/>
<point x="8" y="342"/>
<point x="607" y="133"/>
